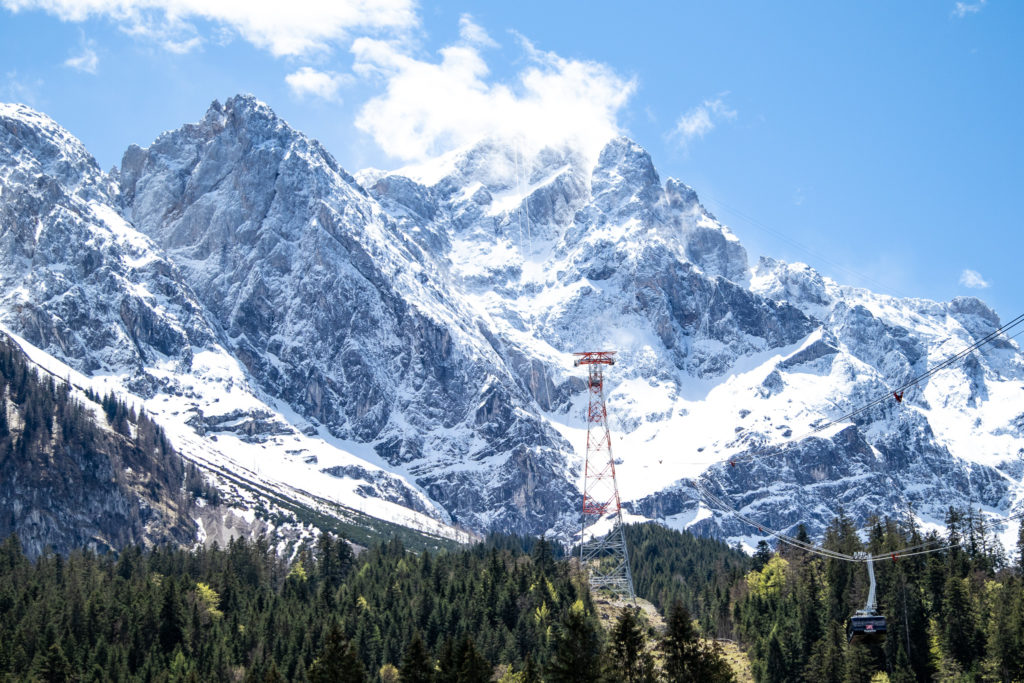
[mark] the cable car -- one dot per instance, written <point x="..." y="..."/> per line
<point x="866" y="625"/>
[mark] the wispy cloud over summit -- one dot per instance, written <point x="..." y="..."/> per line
<point x="307" y="81"/>
<point x="430" y="107"/>
<point x="973" y="279"/>
<point x="700" y="120"/>
<point x="86" y="60"/>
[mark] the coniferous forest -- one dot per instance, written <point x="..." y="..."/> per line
<point x="244" y="613"/>
<point x="509" y="609"/>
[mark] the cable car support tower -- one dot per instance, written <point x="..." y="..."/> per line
<point x="604" y="555"/>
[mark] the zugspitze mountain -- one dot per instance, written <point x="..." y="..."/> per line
<point x="400" y="343"/>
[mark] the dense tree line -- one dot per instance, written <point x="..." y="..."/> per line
<point x="669" y="566"/>
<point x="244" y="613"/>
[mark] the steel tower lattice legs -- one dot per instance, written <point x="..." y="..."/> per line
<point x="604" y="555"/>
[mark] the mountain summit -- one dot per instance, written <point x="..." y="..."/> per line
<point x="406" y="337"/>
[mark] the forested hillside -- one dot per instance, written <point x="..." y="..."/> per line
<point x="244" y="613"/>
<point x="514" y="609"/>
<point x="86" y="470"/>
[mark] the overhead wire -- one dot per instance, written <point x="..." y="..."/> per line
<point x="898" y="392"/>
<point x="900" y="389"/>
<point x="903" y="552"/>
<point x="908" y="551"/>
<point x="925" y="375"/>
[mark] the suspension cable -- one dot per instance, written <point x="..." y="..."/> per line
<point x="908" y="551"/>
<point x="888" y="395"/>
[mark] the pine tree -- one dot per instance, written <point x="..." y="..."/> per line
<point x="576" y="649"/>
<point x="958" y="623"/>
<point x="337" y="661"/>
<point x="55" y="667"/>
<point x="628" y="658"/>
<point x="1020" y="548"/>
<point x="417" y="665"/>
<point x="530" y="673"/>
<point x="543" y="556"/>
<point x="687" y="658"/>
<point x="273" y="675"/>
<point x="473" y="666"/>
<point x="858" y="664"/>
<point x="762" y="555"/>
<point x="826" y="664"/>
<point x="775" y="665"/>
<point x="171" y="618"/>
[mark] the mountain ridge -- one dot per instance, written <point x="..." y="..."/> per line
<point x="425" y="329"/>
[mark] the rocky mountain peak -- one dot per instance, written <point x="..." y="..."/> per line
<point x="427" y="325"/>
<point x="624" y="161"/>
<point x="32" y="145"/>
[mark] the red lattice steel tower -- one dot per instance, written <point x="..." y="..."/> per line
<point x="604" y="555"/>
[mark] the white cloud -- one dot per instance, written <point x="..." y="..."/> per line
<point x="432" y="107"/>
<point x="181" y="47"/>
<point x="473" y="33"/>
<point x="962" y="9"/>
<point x="701" y="120"/>
<point x="973" y="279"/>
<point x="283" y="28"/>
<point x="87" y="61"/>
<point x="322" y="84"/>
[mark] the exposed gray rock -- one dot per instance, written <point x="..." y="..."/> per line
<point x="429" y="320"/>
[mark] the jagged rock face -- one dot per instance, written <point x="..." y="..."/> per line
<point x="429" y="315"/>
<point x="335" y="310"/>
<point x="75" y="279"/>
<point x="629" y="263"/>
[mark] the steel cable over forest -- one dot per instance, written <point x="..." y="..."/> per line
<point x="908" y="551"/>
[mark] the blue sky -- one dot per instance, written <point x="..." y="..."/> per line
<point x="880" y="142"/>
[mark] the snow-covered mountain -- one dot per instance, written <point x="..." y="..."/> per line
<point x="401" y="343"/>
<point x="81" y="286"/>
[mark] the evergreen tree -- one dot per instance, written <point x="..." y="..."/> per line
<point x="761" y="555"/>
<point x="1020" y="548"/>
<point x="577" y="649"/>
<point x="628" y="657"/>
<point x="337" y="661"/>
<point x="171" y="617"/>
<point x="687" y="658"/>
<point x="530" y="673"/>
<point x="776" y="668"/>
<point x="827" y="664"/>
<point x="417" y="665"/>
<point x="858" y="664"/>
<point x="55" y="667"/>
<point x="958" y="623"/>
<point x="473" y="666"/>
<point x="273" y="675"/>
